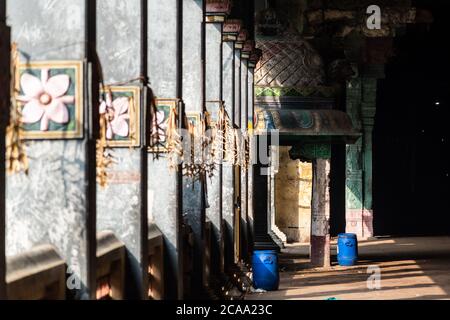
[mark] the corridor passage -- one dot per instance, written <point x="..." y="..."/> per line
<point x="411" y="268"/>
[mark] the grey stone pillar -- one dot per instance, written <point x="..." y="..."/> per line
<point x="214" y="185"/>
<point x="250" y="112"/>
<point x="237" y="88"/>
<point x="120" y="205"/>
<point x="193" y="97"/>
<point x="244" y="170"/>
<point x="320" y="212"/>
<point x="228" y="169"/>
<point x="164" y="53"/>
<point x="55" y="202"/>
<point x="4" y="118"/>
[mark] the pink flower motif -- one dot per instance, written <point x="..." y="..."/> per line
<point x="45" y="98"/>
<point x="161" y="127"/>
<point x="116" y="115"/>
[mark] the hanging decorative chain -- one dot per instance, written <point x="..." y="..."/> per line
<point x="189" y="166"/>
<point x="243" y="150"/>
<point x="246" y="163"/>
<point x="16" y="157"/>
<point x="202" y="159"/>
<point x="208" y="151"/>
<point x="218" y="141"/>
<point x="174" y="142"/>
<point x="224" y="138"/>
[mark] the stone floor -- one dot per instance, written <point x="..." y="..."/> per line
<point x="411" y="268"/>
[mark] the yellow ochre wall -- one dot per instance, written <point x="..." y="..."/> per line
<point x="293" y="187"/>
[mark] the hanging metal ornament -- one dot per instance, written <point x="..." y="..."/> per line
<point x="16" y="157"/>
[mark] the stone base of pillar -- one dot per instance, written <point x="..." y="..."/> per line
<point x="360" y="222"/>
<point x="320" y="251"/>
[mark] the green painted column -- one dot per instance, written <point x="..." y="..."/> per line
<point x="361" y="106"/>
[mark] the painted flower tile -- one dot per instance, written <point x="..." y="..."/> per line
<point x="121" y="105"/>
<point x="51" y="99"/>
<point x="159" y="127"/>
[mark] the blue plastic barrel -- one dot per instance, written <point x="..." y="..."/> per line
<point x="265" y="270"/>
<point x="347" y="249"/>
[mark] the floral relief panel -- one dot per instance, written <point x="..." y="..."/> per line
<point x="50" y="97"/>
<point x="121" y="107"/>
<point x="160" y="124"/>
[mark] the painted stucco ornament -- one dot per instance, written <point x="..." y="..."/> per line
<point x="50" y="98"/>
<point x="45" y="98"/>
<point x="218" y="6"/>
<point x="120" y="107"/>
<point x="117" y="116"/>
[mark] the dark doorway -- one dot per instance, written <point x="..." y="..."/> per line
<point x="411" y="135"/>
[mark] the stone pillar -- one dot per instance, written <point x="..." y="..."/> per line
<point x="228" y="89"/>
<point x="164" y="201"/>
<point x="244" y="170"/>
<point x="193" y="98"/>
<point x="250" y="112"/>
<point x="4" y="118"/>
<point x="237" y="87"/>
<point x="56" y="202"/>
<point x="120" y="205"/>
<point x="368" y="109"/>
<point x="262" y="234"/>
<point x="320" y="211"/>
<point x="236" y="175"/>
<point x="214" y="185"/>
<point x="361" y="106"/>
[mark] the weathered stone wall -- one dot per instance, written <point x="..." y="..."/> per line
<point x="293" y="187"/>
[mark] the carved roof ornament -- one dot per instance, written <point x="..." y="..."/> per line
<point x="231" y="29"/>
<point x="247" y="49"/>
<point x="217" y="10"/>
<point x="218" y="6"/>
<point x="307" y="126"/>
<point x="241" y="38"/>
<point x="290" y="62"/>
<point x="350" y="20"/>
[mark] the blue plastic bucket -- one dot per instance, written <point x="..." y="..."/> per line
<point x="265" y="270"/>
<point x="347" y="249"/>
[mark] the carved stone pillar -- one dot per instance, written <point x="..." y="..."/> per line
<point x="231" y="29"/>
<point x="164" y="199"/>
<point x="213" y="88"/>
<point x="320" y="212"/>
<point x="121" y="203"/>
<point x="55" y="203"/>
<point x="193" y="98"/>
<point x="361" y="106"/>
